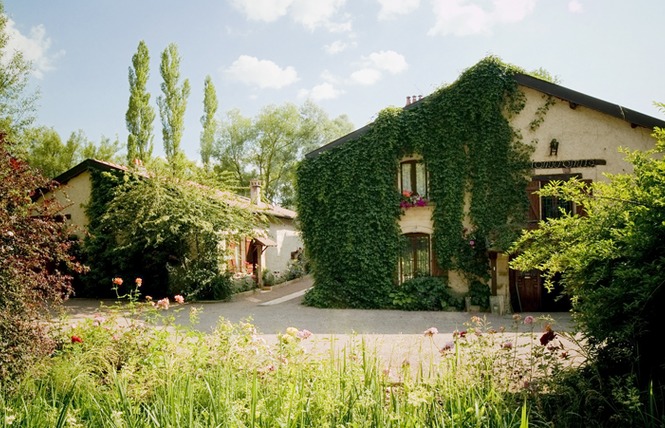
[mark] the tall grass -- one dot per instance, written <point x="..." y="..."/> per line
<point x="114" y="370"/>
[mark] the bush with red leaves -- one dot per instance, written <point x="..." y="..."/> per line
<point x="35" y="266"/>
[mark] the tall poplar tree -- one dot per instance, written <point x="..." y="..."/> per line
<point x="172" y="104"/>
<point x="140" y="114"/>
<point x="208" y="121"/>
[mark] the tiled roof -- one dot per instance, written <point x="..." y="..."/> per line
<point x="229" y="197"/>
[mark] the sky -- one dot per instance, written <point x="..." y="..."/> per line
<point x="350" y="57"/>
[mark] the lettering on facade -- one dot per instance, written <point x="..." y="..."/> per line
<point x="580" y="163"/>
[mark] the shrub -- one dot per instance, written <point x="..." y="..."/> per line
<point x="479" y="294"/>
<point x="426" y="293"/>
<point x="35" y="266"/>
<point x="200" y="280"/>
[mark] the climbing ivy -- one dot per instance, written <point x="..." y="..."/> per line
<point x="348" y="198"/>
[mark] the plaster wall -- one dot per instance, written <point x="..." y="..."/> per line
<point x="582" y="133"/>
<point x="73" y="196"/>
<point x="287" y="237"/>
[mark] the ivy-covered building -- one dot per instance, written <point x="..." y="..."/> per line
<point x="84" y="190"/>
<point x="442" y="186"/>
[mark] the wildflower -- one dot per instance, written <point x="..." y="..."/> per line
<point x="476" y="319"/>
<point x="76" y="339"/>
<point x="548" y="336"/>
<point x="117" y="281"/>
<point x="472" y="242"/>
<point x="179" y="299"/>
<point x="9" y="419"/>
<point x="304" y="334"/>
<point x="449" y="346"/>
<point x="564" y="355"/>
<point x="292" y="331"/>
<point x="507" y="345"/>
<point x="138" y="282"/>
<point x="163" y="303"/>
<point x="148" y="298"/>
<point x="430" y="331"/>
<point x="528" y="320"/>
<point x="462" y="334"/>
<point x="517" y="317"/>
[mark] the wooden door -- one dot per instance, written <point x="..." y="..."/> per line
<point x="528" y="291"/>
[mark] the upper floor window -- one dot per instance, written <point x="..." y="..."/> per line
<point x="413" y="177"/>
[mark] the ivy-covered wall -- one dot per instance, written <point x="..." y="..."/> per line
<point x="348" y="197"/>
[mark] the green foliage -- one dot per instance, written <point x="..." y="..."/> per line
<point x="17" y="104"/>
<point x="140" y="114"/>
<point x="48" y="153"/>
<point x="611" y="264"/>
<point x="145" y="369"/>
<point x="208" y="121"/>
<point x="425" y="293"/>
<point x="479" y="293"/>
<point x="270" y="146"/>
<point x="35" y="267"/>
<point x="348" y="199"/>
<point x="149" y="228"/>
<point x="172" y="105"/>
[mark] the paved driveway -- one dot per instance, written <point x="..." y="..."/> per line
<point x="397" y="336"/>
<point x="272" y="312"/>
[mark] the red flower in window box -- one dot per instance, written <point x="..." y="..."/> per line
<point x="412" y="199"/>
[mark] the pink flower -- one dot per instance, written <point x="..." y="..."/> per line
<point x="76" y="339"/>
<point x="472" y="242"/>
<point x="179" y="299"/>
<point x="528" y="319"/>
<point x="138" y="282"/>
<point x="304" y="334"/>
<point x="507" y="345"/>
<point x="117" y="281"/>
<point x="163" y="303"/>
<point x="430" y="331"/>
<point x="449" y="346"/>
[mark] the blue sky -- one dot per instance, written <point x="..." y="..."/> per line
<point x="352" y="57"/>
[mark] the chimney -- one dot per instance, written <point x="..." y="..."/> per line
<point x="408" y="100"/>
<point x="255" y="191"/>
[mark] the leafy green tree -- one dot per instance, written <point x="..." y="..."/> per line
<point x="48" y="153"/>
<point x="106" y="150"/>
<point x="208" y="121"/>
<point x="17" y="105"/>
<point x="35" y="267"/>
<point x="172" y="105"/>
<point x="611" y="262"/>
<point x="140" y="114"/>
<point x="270" y="146"/>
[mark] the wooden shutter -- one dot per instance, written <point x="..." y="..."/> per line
<point x="533" y="216"/>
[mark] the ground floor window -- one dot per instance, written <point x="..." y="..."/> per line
<point x="415" y="257"/>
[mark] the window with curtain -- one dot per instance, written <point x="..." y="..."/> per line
<point x="413" y="177"/>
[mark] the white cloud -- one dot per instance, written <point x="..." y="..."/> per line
<point x="34" y="47"/>
<point x="366" y="76"/>
<point x="262" y="10"/>
<point x="389" y="61"/>
<point x="324" y="91"/>
<point x="313" y="14"/>
<point x="338" y="46"/>
<point x="575" y="6"/>
<point x="466" y="17"/>
<point x="309" y="13"/>
<point x="390" y="9"/>
<point x="261" y="73"/>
